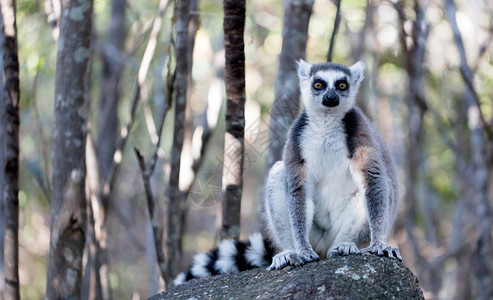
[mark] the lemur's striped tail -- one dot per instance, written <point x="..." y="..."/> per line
<point x="230" y="257"/>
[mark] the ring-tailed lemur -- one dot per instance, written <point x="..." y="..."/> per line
<point x="335" y="189"/>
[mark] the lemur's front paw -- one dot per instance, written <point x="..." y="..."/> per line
<point x="383" y="250"/>
<point x="291" y="257"/>
<point x="308" y="255"/>
<point x="343" y="249"/>
<point x="287" y="257"/>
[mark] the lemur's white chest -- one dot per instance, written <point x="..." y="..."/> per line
<point x="336" y="190"/>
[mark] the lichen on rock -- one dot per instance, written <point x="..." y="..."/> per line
<point x="344" y="277"/>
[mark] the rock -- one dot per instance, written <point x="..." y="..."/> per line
<point x="344" y="277"/>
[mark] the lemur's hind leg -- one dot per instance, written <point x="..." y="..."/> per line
<point x="276" y="211"/>
<point x="278" y="221"/>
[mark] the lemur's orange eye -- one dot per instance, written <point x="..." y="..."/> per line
<point x="342" y="86"/>
<point x="318" y="85"/>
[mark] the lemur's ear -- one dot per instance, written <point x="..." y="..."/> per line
<point x="358" y="72"/>
<point x="303" y="69"/>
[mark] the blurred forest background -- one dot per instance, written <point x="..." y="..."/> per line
<point x="428" y="88"/>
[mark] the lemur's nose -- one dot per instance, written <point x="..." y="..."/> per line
<point x="330" y="99"/>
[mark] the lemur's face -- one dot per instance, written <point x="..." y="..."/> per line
<point x="328" y="87"/>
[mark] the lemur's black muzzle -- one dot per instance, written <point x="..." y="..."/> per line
<point x="330" y="99"/>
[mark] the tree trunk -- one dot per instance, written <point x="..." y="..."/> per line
<point x="2" y="165"/>
<point x="482" y="265"/>
<point x="176" y="209"/>
<point x="463" y="220"/>
<point x="416" y="105"/>
<point x="287" y="91"/>
<point x="68" y="203"/>
<point x="234" y="27"/>
<point x="110" y="96"/>
<point x="480" y="137"/>
<point x="11" y="155"/>
<point x="97" y="281"/>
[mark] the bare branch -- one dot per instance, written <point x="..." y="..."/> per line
<point x="147" y="172"/>
<point x="143" y="69"/>
<point x="337" y="21"/>
<point x="465" y="70"/>
<point x="156" y="229"/>
<point x="117" y="158"/>
<point x="170" y="83"/>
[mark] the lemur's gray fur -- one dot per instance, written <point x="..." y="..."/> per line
<point x="335" y="189"/>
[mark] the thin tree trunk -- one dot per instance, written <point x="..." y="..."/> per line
<point x="480" y="136"/>
<point x="463" y="217"/>
<point x="97" y="281"/>
<point x="482" y="265"/>
<point x="157" y="231"/>
<point x="11" y="158"/>
<point x="2" y="165"/>
<point x="337" y="21"/>
<point x="234" y="26"/>
<point x="110" y="96"/>
<point x="95" y="284"/>
<point x="176" y="209"/>
<point x="150" y="247"/>
<point x="147" y="171"/>
<point x="287" y="92"/>
<point x="416" y="104"/>
<point x="68" y="203"/>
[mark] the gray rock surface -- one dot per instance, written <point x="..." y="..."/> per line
<point x="348" y="277"/>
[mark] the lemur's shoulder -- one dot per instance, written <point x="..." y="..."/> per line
<point x="298" y="126"/>
<point x="366" y="144"/>
<point x="292" y="149"/>
<point x="361" y="133"/>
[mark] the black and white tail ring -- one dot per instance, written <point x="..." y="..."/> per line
<point x="230" y="257"/>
